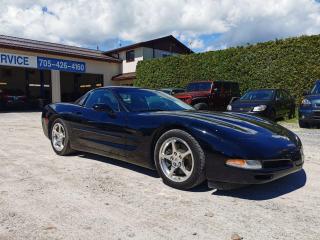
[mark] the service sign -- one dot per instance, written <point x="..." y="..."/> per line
<point x="17" y="60"/>
<point x="61" y="65"/>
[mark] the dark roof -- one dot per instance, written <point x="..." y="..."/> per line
<point x="168" y="43"/>
<point x="53" y="48"/>
<point x="124" y="76"/>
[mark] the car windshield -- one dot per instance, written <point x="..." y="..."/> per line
<point x="316" y="89"/>
<point x="143" y="100"/>
<point x="199" y="86"/>
<point x="259" y="95"/>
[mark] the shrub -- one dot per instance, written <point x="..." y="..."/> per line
<point x="292" y="64"/>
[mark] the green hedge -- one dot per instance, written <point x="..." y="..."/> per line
<point x="292" y="64"/>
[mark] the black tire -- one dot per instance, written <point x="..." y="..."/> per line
<point x="66" y="143"/>
<point x="303" y="124"/>
<point x="197" y="175"/>
<point x="292" y="113"/>
<point x="2" y="106"/>
<point x="273" y="115"/>
<point x="201" y="106"/>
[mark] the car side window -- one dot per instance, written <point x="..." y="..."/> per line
<point x="227" y="88"/>
<point x="278" y="95"/>
<point x="217" y="87"/>
<point x="235" y="89"/>
<point x="102" y="96"/>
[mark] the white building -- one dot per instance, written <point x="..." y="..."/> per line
<point x="46" y="72"/>
<point x="132" y="54"/>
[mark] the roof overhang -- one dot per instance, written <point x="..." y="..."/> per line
<point x="124" y="76"/>
<point x="14" y="43"/>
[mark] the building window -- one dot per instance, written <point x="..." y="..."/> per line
<point x="130" y="56"/>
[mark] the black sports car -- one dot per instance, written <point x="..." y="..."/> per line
<point x="152" y="129"/>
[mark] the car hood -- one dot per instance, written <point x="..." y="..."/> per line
<point x="193" y="94"/>
<point x="238" y="134"/>
<point x="246" y="124"/>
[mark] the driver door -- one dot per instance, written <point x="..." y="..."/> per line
<point x="98" y="129"/>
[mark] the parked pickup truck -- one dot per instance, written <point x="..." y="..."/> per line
<point x="209" y="95"/>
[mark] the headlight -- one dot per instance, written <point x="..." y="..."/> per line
<point x="305" y="102"/>
<point x="229" y="107"/>
<point x="247" y="164"/>
<point x="259" y="108"/>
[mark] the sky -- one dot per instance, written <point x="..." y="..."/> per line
<point x="202" y="25"/>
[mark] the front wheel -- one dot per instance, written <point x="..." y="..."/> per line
<point x="201" y="106"/>
<point x="180" y="160"/>
<point x="303" y="124"/>
<point x="60" y="140"/>
<point x="292" y="113"/>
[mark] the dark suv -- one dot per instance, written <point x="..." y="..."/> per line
<point x="309" y="111"/>
<point x="209" y="95"/>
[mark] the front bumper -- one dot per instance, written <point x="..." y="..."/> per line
<point x="218" y="171"/>
<point x="258" y="114"/>
<point x="311" y="116"/>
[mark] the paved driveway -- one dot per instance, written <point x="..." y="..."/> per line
<point x="44" y="196"/>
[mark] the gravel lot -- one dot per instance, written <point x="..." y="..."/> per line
<point x="44" y="196"/>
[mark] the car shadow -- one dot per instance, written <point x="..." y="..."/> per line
<point x="270" y="190"/>
<point x="122" y="164"/>
<point x="132" y="167"/>
<point x="259" y="192"/>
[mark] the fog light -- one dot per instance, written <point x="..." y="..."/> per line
<point x="246" y="164"/>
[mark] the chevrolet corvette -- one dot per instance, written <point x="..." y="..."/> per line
<point x="187" y="147"/>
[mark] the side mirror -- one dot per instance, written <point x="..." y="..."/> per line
<point x="100" y="107"/>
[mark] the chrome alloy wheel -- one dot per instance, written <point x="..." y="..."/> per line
<point x="176" y="159"/>
<point x="58" y="137"/>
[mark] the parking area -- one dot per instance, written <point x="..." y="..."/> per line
<point x="84" y="196"/>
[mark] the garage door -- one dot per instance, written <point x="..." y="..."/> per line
<point x="24" y="88"/>
<point x="74" y="85"/>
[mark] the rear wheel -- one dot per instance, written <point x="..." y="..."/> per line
<point x="180" y="160"/>
<point x="273" y="115"/>
<point x="201" y="106"/>
<point x="291" y="114"/>
<point x="303" y="124"/>
<point x="60" y="140"/>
